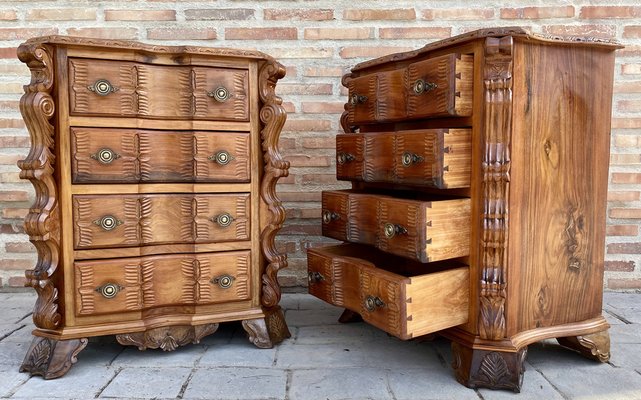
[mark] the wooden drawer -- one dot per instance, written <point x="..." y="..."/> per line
<point x="133" y="284"/>
<point x="437" y="87"/>
<point x="428" y="229"/>
<point x="137" y="155"/>
<point x="402" y="297"/>
<point x="133" y="220"/>
<point x="439" y="158"/>
<point x="102" y="87"/>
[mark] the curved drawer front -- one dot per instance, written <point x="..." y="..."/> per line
<point x="439" y="158"/>
<point x="137" y="155"/>
<point x="423" y="230"/>
<point x="438" y="87"/>
<point x="135" y="220"/>
<point x="133" y="284"/>
<point x="101" y="87"/>
<point x="404" y="298"/>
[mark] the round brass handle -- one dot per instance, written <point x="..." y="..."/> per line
<point x="108" y="222"/>
<point x="357" y="99"/>
<point x="315" y="277"/>
<point x="102" y="87"/>
<point x="408" y="159"/>
<point x="105" y="156"/>
<point x="420" y="86"/>
<point x="109" y="290"/>
<point x="343" y="158"/>
<point x="220" y="94"/>
<point x="329" y="216"/>
<point x="373" y="302"/>
<point x="221" y="157"/>
<point x="392" y="230"/>
<point x="224" y="281"/>
<point x="223" y="220"/>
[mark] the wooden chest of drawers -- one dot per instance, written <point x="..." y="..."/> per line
<point x="155" y="171"/>
<point x="477" y="210"/>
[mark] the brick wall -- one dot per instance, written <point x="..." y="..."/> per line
<point x="318" y="41"/>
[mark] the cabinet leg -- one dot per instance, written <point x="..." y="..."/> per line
<point x="51" y="358"/>
<point x="494" y="369"/>
<point x="349" y="316"/>
<point x="268" y="331"/>
<point x="595" y="346"/>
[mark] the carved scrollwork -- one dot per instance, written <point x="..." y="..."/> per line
<point x="167" y="338"/>
<point x="265" y="332"/>
<point x="42" y="223"/>
<point x="273" y="116"/>
<point x="51" y="358"/>
<point x="347" y="128"/>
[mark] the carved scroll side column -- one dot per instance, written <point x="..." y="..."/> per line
<point x="345" y="117"/>
<point x="495" y="186"/>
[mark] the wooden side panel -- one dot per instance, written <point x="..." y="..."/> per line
<point x="457" y="158"/>
<point x="558" y="184"/>
<point x="448" y="229"/>
<point x="437" y="301"/>
<point x="349" y="157"/>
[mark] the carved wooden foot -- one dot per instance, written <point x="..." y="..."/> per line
<point x="595" y="346"/>
<point x="167" y="338"/>
<point x="51" y="358"/>
<point x="349" y="316"/>
<point x="488" y="369"/>
<point x="266" y="332"/>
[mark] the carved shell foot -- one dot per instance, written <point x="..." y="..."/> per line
<point x="52" y="358"/>
<point x="167" y="338"/>
<point x="595" y="346"/>
<point x="265" y="332"/>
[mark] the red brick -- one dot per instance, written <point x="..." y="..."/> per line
<point x="338" y="33"/>
<point x="398" y="14"/>
<point x="140" y="15"/>
<point x="13" y="141"/>
<point x="620" y="266"/>
<point x="622" y="230"/>
<point x="298" y="14"/>
<point x="18" y="227"/>
<point x="624" y="248"/>
<point x="19" y="247"/>
<point x="625" y="213"/>
<point x="602" y="31"/>
<point x="8" y="15"/>
<point x="219" y="14"/>
<point x="289" y="179"/>
<point x="9" y="105"/>
<point x="14" y="212"/>
<point x="618" y="284"/>
<point x="629" y="105"/>
<point x="371" y="52"/>
<point x="105" y="33"/>
<point x="415" y="33"/>
<point x="440" y="14"/>
<point x="15" y="264"/>
<point x="624" y="196"/>
<point x="626" y="123"/>
<point x="302" y="52"/>
<point x="632" y="31"/>
<point x="319" y="143"/>
<point x="323" y="107"/>
<point x="299" y="196"/>
<point x="300" y="229"/>
<point x="630" y="69"/>
<point x="287" y="143"/>
<point x="537" y="12"/>
<point x="630" y="50"/>
<point x="14" y="195"/>
<point x="627" y="87"/>
<point x="8" y="52"/>
<point x="261" y="33"/>
<point x="626" y="177"/>
<point x="289" y="107"/>
<point x="286" y="247"/>
<point x="305" y="125"/>
<point x="319" y="179"/>
<point x="11" y="159"/>
<point x="13" y="88"/>
<point x="303" y="160"/>
<point x="181" y="34"/>
<point x="17" y="281"/>
<point x="599" y="12"/>
<point x="625" y="159"/>
<point x="304" y="88"/>
<point x="10" y="177"/>
<point x="324" y="71"/>
<point x="61" y="14"/>
<point x="25" y="33"/>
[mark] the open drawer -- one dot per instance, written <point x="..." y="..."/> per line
<point x="402" y="297"/>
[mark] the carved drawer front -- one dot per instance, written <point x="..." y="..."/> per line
<point x="439" y="158"/>
<point x="133" y="284"/>
<point x="136" y="155"/>
<point x="402" y="297"/>
<point x="101" y="87"/>
<point x="136" y="220"/>
<point x="424" y="230"/>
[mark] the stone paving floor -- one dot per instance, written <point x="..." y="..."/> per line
<point x="322" y="360"/>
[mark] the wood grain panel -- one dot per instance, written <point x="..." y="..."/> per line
<point x="207" y="80"/>
<point x="385" y="292"/>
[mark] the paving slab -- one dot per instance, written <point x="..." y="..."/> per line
<point x="535" y="387"/>
<point x="595" y="383"/>
<point x="10" y="379"/>
<point x="238" y="355"/>
<point x="626" y="355"/>
<point x="83" y="382"/>
<point x="339" y="384"/>
<point x="12" y="353"/>
<point x="622" y="300"/>
<point x="427" y="384"/>
<point x="625" y="333"/>
<point x="320" y="317"/>
<point x="548" y="355"/>
<point x="342" y="333"/>
<point x="184" y="356"/>
<point x="21" y="333"/>
<point x="159" y="382"/>
<point x="237" y="383"/>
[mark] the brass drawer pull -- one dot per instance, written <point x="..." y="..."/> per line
<point x="108" y="222"/>
<point x="109" y="290"/>
<point x="373" y="302"/>
<point x="357" y="99"/>
<point x="221" y="157"/>
<point x="408" y="159"/>
<point x="392" y="230"/>
<point x="329" y="216"/>
<point x="343" y="158"/>
<point x="223" y="220"/>
<point x="420" y="86"/>
<point x="220" y="94"/>
<point x="102" y="87"/>
<point x="105" y="156"/>
<point x="224" y="281"/>
<point x="315" y="277"/>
